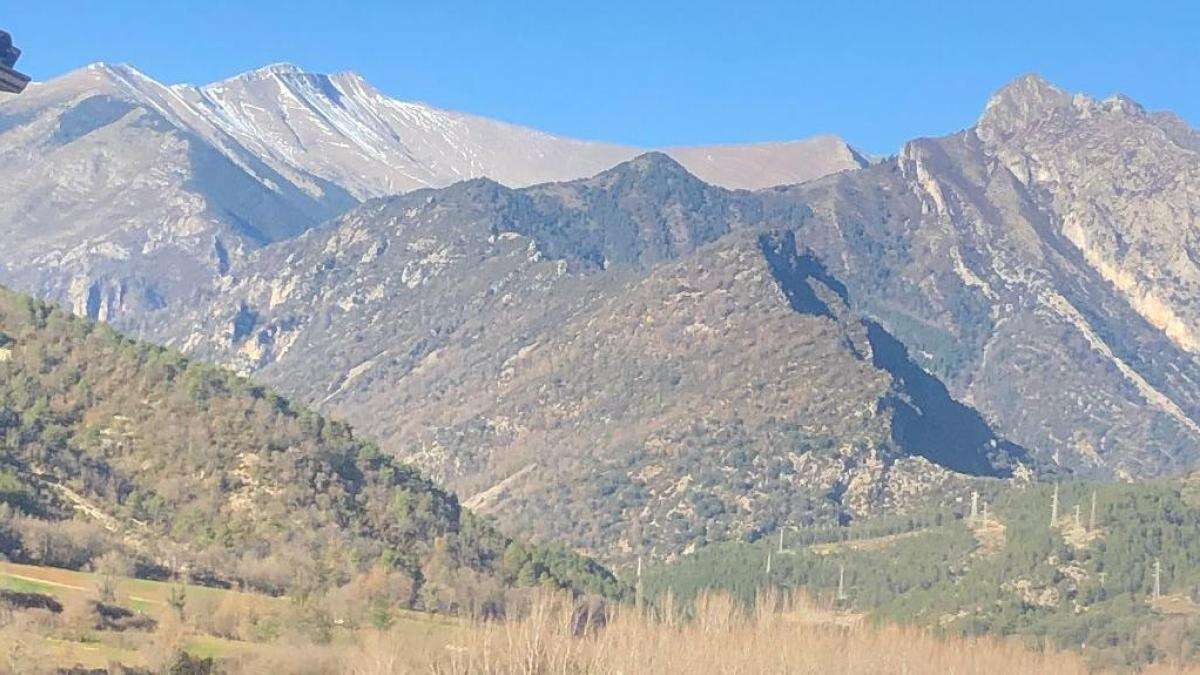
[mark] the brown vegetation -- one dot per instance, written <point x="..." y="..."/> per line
<point x="129" y="459"/>
<point x="350" y="631"/>
<point x="781" y="634"/>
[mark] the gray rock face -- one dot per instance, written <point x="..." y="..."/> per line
<point x="1043" y="264"/>
<point x="1125" y="187"/>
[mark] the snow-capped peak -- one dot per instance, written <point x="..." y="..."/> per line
<point x="279" y="68"/>
<point x="338" y="128"/>
<point x="319" y="131"/>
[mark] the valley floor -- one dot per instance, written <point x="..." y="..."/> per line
<point x="241" y="632"/>
<point x="780" y="635"/>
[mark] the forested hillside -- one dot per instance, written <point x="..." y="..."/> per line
<point x="184" y="467"/>
<point x="1088" y="582"/>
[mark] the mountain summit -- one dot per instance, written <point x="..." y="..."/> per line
<point x="1021" y="102"/>
<point x="754" y="166"/>
<point x="342" y="129"/>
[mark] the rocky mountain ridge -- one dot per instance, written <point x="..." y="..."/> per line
<point x="963" y="249"/>
<point x="122" y="195"/>
<point x="1040" y="263"/>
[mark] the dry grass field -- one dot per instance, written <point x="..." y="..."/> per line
<point x="781" y="634"/>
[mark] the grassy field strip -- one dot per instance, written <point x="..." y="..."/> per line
<point x="75" y="645"/>
<point x="874" y="543"/>
<point x="107" y="647"/>
<point x="44" y="582"/>
<point x="44" y="579"/>
<point x="429" y="631"/>
<point x="59" y="584"/>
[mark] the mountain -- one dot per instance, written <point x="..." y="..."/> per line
<point x="1043" y="264"/>
<point x="122" y="195"/>
<point x="626" y="362"/>
<point x="341" y="129"/>
<point x="188" y="468"/>
<point x="754" y="166"/>
<point x="119" y="208"/>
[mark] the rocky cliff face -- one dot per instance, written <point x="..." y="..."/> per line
<point x="1124" y="185"/>
<point x="1041" y="264"/>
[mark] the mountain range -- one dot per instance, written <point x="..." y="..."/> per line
<point x="629" y="358"/>
<point x="629" y="355"/>
<point x="123" y="194"/>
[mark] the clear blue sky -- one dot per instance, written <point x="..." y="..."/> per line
<point x="655" y="73"/>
